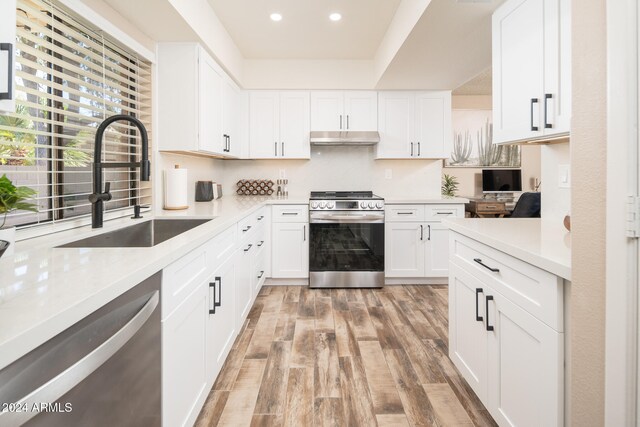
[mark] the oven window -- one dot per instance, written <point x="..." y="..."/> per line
<point x="346" y="247"/>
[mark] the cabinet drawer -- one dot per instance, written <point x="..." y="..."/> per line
<point x="181" y="278"/>
<point x="404" y="213"/>
<point x="436" y="212"/>
<point x="535" y="290"/>
<point x="246" y="227"/>
<point x="261" y="215"/>
<point x="290" y="213"/>
<point x="221" y="247"/>
<point x="490" y="207"/>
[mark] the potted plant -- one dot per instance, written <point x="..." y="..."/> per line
<point x="449" y="185"/>
<point x="12" y="198"/>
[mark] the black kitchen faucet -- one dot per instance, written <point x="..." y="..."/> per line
<point x="98" y="198"/>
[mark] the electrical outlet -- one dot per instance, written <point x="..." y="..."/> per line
<point x="283" y="173"/>
<point x="564" y="176"/>
<point x="388" y="173"/>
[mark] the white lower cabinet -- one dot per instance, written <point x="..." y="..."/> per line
<point x="221" y="312"/>
<point x="290" y="250"/>
<point x="244" y="283"/>
<point x="184" y="360"/>
<point x="513" y="361"/>
<point x="416" y="242"/>
<point x="404" y="251"/>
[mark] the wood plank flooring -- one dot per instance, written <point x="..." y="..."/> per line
<point x="343" y="357"/>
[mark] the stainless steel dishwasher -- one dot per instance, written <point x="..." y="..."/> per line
<point x="103" y="371"/>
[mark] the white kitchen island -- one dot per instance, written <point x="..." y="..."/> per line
<point x="508" y="305"/>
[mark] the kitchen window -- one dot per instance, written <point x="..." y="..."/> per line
<point x="69" y="78"/>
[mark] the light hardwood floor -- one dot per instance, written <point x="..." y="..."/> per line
<point x="343" y="357"/>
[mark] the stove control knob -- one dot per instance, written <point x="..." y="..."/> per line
<point x="330" y="205"/>
<point x="314" y="205"/>
<point x="363" y="205"/>
<point x="322" y="205"/>
<point x="372" y="205"/>
<point x="379" y="205"/>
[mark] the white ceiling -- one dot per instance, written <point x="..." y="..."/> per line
<point x="479" y="85"/>
<point x="305" y="31"/>
<point x="450" y="44"/>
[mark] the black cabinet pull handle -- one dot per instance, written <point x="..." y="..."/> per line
<point x="261" y="243"/>
<point x="487" y="299"/>
<point x="304" y="233"/>
<point x="213" y="309"/>
<point x="261" y="217"/>
<point x="218" y="303"/>
<point x="547" y="97"/>
<point x="429" y="235"/>
<point x="421" y="232"/>
<point x="533" y="101"/>
<point x="282" y="152"/>
<point x="261" y="274"/>
<point x="246" y="229"/>
<point x="289" y="213"/>
<point x="479" y="261"/>
<point x="347" y="122"/>
<point x="418" y="149"/>
<point x="405" y="213"/>
<point x="478" y="317"/>
<point x="412" y="149"/>
<point x="275" y="149"/>
<point x="248" y="247"/>
<point x="228" y="143"/>
<point x="340" y="121"/>
<point x="8" y="47"/>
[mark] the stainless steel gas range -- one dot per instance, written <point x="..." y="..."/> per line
<point x="346" y="241"/>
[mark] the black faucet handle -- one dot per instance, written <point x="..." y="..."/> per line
<point x="106" y="196"/>
<point x="107" y="187"/>
<point x="136" y="212"/>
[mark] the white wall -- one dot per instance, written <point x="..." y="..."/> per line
<point x="343" y="168"/>
<point x="199" y="169"/>
<point x="556" y="202"/>
<point x="308" y="74"/>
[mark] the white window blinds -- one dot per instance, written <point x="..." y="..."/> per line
<point x="69" y="78"/>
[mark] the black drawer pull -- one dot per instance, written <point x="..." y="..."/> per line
<point x="261" y="274"/>
<point x="218" y="303"/>
<point x="487" y="299"/>
<point x="8" y="47"/>
<point x="213" y="309"/>
<point x="445" y="213"/>
<point x="246" y="229"/>
<point x="533" y="101"/>
<point x="547" y="97"/>
<point x="405" y="213"/>
<point x="479" y="261"/>
<point x="261" y="217"/>
<point x="478" y="317"/>
<point x="248" y="247"/>
<point x="261" y="243"/>
<point x="289" y="213"/>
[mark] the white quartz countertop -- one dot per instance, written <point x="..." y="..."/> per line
<point x="544" y="244"/>
<point x="44" y="290"/>
<point x="424" y="200"/>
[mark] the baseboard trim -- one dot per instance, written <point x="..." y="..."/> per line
<point x="286" y="282"/>
<point x="392" y="281"/>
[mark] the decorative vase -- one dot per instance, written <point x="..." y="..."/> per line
<point x="8" y="235"/>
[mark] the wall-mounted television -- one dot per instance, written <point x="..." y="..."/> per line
<point x="501" y="180"/>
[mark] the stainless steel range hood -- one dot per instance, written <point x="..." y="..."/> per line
<point x="348" y="137"/>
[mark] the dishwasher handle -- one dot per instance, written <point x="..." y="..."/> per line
<point x="64" y="382"/>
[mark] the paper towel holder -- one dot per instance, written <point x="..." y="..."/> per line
<point x="177" y="206"/>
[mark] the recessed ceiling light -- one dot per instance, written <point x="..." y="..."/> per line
<point x="335" y="17"/>
<point x="276" y="17"/>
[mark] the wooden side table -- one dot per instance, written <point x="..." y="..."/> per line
<point x="482" y="208"/>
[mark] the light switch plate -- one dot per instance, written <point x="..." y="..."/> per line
<point x="564" y="176"/>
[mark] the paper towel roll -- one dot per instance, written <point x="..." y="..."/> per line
<point x="175" y="189"/>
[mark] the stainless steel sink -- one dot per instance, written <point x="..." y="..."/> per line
<point x="142" y="235"/>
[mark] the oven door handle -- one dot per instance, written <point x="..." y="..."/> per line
<point x="346" y="218"/>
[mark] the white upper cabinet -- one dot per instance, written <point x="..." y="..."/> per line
<point x="344" y="110"/>
<point x="231" y="119"/>
<point x="414" y="125"/>
<point x="531" y="70"/>
<point x="279" y="125"/>
<point x="7" y="55"/>
<point x="198" y="106"/>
